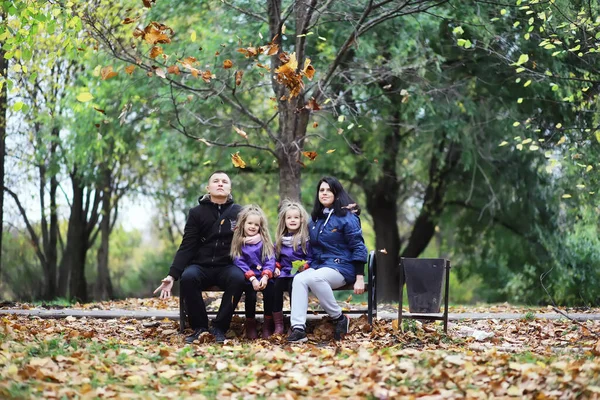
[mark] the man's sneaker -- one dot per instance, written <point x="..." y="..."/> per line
<point x="297" y="336"/>
<point x="341" y="327"/>
<point x="195" y="335"/>
<point x="218" y="334"/>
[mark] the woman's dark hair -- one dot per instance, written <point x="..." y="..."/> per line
<point x="341" y="199"/>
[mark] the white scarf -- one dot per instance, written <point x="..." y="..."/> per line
<point x="253" y="239"/>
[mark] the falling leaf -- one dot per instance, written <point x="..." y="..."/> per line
<point x="240" y="132"/>
<point x="566" y="196"/>
<point x="129" y="21"/>
<point x="237" y="161"/>
<point x="148" y="3"/>
<point x="206" y="76"/>
<point x="174" y="69"/>
<point x="193" y="36"/>
<point x="84" y="97"/>
<point x="100" y="110"/>
<point x="310" y="154"/>
<point x="107" y="73"/>
<point x="504" y="143"/>
<point x="330" y="151"/>
<point x="250" y="51"/>
<point x="227" y="64"/>
<point x="384" y="251"/>
<point x="160" y="72"/>
<point x="315" y="124"/>
<point x="312" y="105"/>
<point x="562" y="140"/>
<point x="154" y="33"/>
<point x="129" y="69"/>
<point x="238" y="77"/>
<point x="156" y="51"/>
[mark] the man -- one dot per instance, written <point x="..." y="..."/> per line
<point x="203" y="259"/>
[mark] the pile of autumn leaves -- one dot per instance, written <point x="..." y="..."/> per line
<point x="91" y="358"/>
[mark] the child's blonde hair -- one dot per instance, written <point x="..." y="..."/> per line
<point x="238" y="235"/>
<point x="300" y="238"/>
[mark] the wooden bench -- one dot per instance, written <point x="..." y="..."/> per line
<point x="370" y="289"/>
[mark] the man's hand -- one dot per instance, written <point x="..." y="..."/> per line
<point x="359" y="285"/>
<point x="277" y="272"/>
<point x="165" y="287"/>
<point x="264" y="280"/>
<point x="255" y="284"/>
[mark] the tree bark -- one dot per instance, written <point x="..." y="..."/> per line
<point x="382" y="203"/>
<point x="72" y="283"/>
<point x="103" y="288"/>
<point x="293" y="117"/>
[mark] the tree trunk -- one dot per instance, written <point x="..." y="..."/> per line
<point x="52" y="249"/>
<point x="382" y="200"/>
<point x="384" y="211"/>
<point x="103" y="288"/>
<point x="3" y="115"/>
<point x="442" y="162"/>
<point x="72" y="282"/>
<point x="293" y="117"/>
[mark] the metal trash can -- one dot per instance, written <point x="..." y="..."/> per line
<point x="424" y="279"/>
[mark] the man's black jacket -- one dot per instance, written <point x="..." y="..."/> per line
<point x="204" y="242"/>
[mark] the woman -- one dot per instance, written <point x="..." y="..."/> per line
<point x="338" y="258"/>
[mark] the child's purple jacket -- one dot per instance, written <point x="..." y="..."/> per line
<point x="251" y="262"/>
<point x="288" y="255"/>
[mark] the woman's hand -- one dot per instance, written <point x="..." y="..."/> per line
<point x="165" y="287"/>
<point x="277" y="272"/>
<point x="255" y="285"/>
<point x="359" y="285"/>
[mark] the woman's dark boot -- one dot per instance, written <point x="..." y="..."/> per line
<point x="250" y="328"/>
<point x="267" y="328"/>
<point x="278" y="320"/>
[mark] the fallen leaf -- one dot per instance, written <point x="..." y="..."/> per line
<point x="227" y="64"/>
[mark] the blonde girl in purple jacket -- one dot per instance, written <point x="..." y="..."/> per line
<point x="252" y="251"/>
<point x="291" y="246"/>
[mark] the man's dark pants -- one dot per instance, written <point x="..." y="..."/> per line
<point x="195" y="279"/>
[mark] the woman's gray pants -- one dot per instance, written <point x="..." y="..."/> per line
<point x="321" y="282"/>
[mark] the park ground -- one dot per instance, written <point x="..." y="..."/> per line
<point x="88" y="358"/>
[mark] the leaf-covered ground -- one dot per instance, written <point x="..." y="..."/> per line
<point x="128" y="358"/>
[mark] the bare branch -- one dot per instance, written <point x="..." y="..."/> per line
<point x="35" y="241"/>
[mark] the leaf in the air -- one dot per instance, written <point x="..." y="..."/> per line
<point x="310" y="154"/>
<point x="237" y="161"/>
<point x="84" y="97"/>
<point x="107" y="73"/>
<point x="240" y="132"/>
<point x="156" y="51"/>
<point x="238" y="77"/>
